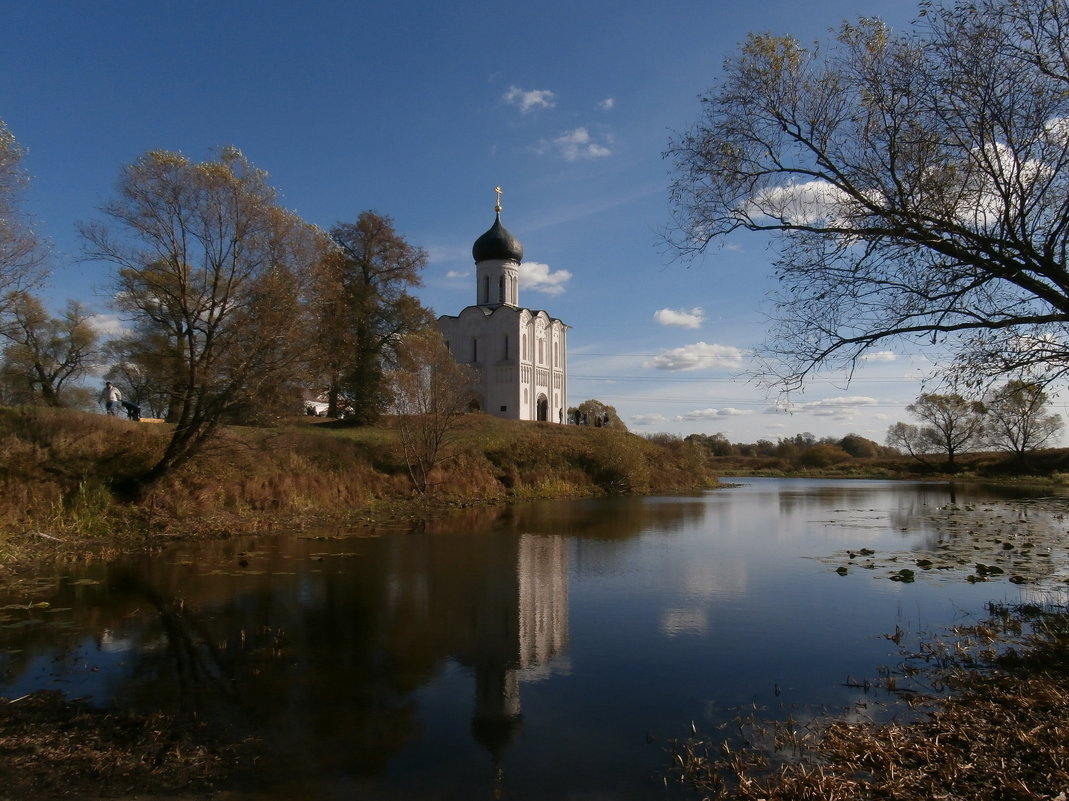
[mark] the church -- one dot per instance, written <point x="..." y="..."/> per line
<point x="520" y="355"/>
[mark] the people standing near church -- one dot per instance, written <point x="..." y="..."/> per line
<point x="111" y="398"/>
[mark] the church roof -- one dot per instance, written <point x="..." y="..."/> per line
<point x="497" y="243"/>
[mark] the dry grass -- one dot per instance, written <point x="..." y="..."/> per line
<point x="52" y="748"/>
<point x="998" y="731"/>
<point x="62" y="474"/>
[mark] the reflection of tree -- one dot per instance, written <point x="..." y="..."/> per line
<point x="321" y="663"/>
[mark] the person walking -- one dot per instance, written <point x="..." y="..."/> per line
<point x="111" y="398"/>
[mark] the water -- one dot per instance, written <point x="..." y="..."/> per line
<point x="544" y="651"/>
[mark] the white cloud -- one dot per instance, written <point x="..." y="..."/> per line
<point x="579" y="144"/>
<point x="607" y="104"/>
<point x="713" y="414"/>
<point x="799" y="203"/>
<point x="107" y="325"/>
<point x="456" y="275"/>
<point x="527" y="100"/>
<point x="538" y="277"/>
<point x="879" y="356"/>
<point x="698" y="356"/>
<point x="683" y="318"/>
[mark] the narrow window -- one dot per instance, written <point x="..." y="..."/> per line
<point x="474" y="349"/>
<point x="506" y="346"/>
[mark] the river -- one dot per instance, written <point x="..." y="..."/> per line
<point x="546" y="650"/>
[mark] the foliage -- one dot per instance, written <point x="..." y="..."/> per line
<point x="214" y="274"/>
<point x="363" y="310"/>
<point x="802" y="450"/>
<point x="916" y="185"/>
<point x="1018" y="418"/>
<point x="595" y="413"/>
<point x="46" y="354"/>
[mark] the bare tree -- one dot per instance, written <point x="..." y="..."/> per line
<point x="1019" y="419"/>
<point x="430" y="393"/>
<point x="916" y="185"/>
<point x="46" y="354"/>
<point x="21" y="251"/>
<point x="215" y="274"/>
<point x="952" y="425"/>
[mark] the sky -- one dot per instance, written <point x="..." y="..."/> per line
<point x="418" y="110"/>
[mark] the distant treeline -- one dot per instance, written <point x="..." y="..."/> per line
<point x="803" y="450"/>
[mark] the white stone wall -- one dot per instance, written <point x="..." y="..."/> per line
<point x="521" y="356"/>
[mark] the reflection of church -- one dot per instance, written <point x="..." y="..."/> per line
<point x="520" y="355"/>
<point x="519" y="629"/>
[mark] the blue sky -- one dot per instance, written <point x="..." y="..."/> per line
<point x="418" y="110"/>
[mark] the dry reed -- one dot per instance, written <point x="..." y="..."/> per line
<point x="999" y="731"/>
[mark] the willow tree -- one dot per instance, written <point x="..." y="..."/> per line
<point x="215" y="273"/>
<point x="916" y="186"/>
<point x="46" y="355"/>
<point x="1019" y="418"/>
<point x="950" y="424"/>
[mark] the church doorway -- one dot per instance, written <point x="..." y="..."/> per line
<point x="542" y="409"/>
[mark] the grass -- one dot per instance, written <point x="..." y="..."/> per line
<point x="993" y="727"/>
<point x="60" y="471"/>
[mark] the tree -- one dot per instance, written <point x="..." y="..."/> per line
<point x="1018" y="418"/>
<point x="364" y="310"/>
<point x="430" y="391"/>
<point x="21" y="252"/>
<point x="214" y="274"/>
<point x="917" y="186"/>
<point x="593" y="412"/>
<point x="859" y="447"/>
<point x="953" y="425"/>
<point x="138" y="363"/>
<point x="907" y="437"/>
<point x="47" y="354"/>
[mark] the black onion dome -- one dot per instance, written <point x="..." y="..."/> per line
<point x="497" y="243"/>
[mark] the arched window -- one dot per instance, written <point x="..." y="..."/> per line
<point x="501" y="289"/>
<point x="486" y="289"/>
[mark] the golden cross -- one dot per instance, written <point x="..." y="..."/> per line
<point x="498" y="190"/>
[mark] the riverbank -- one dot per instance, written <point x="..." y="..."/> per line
<point x="62" y="474"/>
<point x="991" y="726"/>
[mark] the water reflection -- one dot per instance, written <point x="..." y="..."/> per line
<point x="532" y="646"/>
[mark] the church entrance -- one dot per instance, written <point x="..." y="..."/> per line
<point x="542" y="409"/>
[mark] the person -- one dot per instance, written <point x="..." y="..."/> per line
<point x="111" y="398"/>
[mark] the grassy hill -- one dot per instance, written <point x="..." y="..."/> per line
<point x="60" y="471"/>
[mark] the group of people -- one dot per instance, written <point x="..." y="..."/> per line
<point x="111" y="397"/>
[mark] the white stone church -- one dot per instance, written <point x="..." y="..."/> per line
<point x="520" y="355"/>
